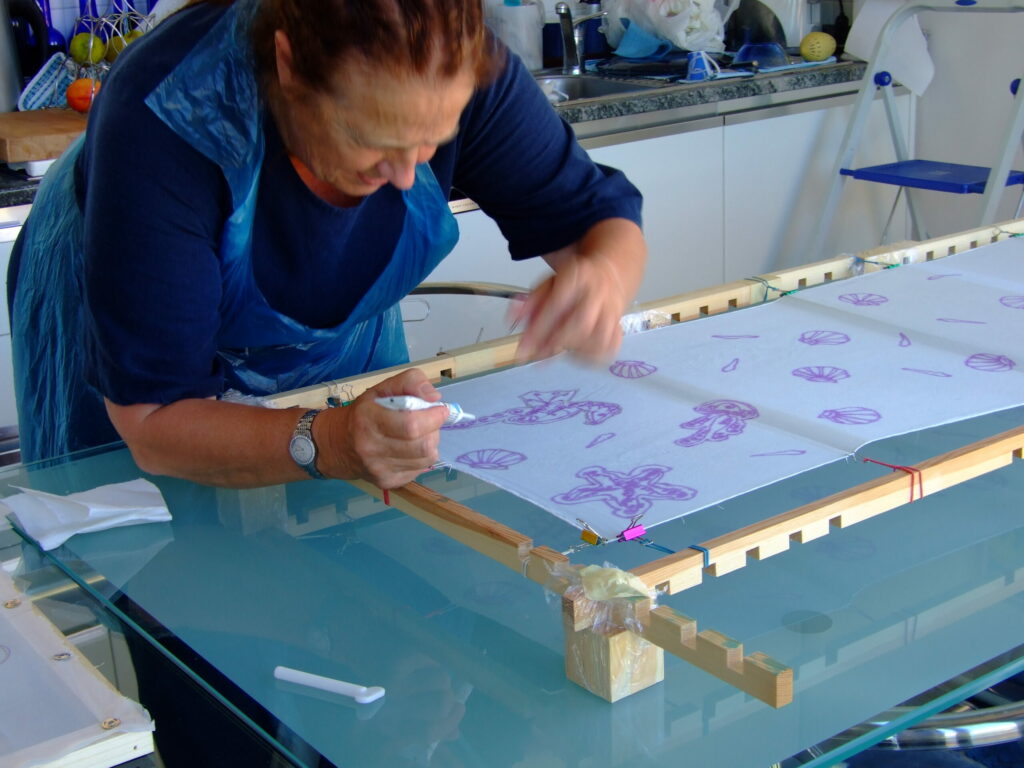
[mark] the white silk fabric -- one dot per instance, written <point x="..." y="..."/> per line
<point x="699" y="412"/>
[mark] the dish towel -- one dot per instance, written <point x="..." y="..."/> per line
<point x="51" y="519"/>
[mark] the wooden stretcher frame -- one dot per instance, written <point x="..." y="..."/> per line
<point x="606" y="658"/>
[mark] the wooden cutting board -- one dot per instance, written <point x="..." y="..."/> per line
<point x="40" y="134"/>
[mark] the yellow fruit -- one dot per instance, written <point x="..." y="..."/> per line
<point x="817" y="46"/>
<point x="86" y="48"/>
<point x="115" y="46"/>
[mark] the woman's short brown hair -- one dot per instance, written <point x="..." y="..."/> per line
<point x="422" y="37"/>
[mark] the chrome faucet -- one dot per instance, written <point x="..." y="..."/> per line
<point x="572" y="38"/>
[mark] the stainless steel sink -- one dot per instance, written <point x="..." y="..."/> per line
<point x="560" y="88"/>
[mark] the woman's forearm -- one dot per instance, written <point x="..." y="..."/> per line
<point x="243" y="446"/>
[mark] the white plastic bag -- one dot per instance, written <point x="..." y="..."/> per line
<point x="693" y="25"/>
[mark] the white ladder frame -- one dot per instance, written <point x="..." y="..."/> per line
<point x="996" y="184"/>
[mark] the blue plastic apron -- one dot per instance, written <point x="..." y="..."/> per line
<point x="210" y="100"/>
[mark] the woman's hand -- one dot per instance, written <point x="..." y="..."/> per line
<point x="579" y="307"/>
<point x="388" y="448"/>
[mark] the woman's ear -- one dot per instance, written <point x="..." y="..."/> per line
<point x="286" y="76"/>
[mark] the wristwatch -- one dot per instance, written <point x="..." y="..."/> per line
<point x="302" y="448"/>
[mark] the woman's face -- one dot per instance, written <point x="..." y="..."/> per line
<point x="374" y="128"/>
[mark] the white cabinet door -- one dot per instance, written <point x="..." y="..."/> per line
<point x="8" y="406"/>
<point x="681" y="179"/>
<point x="8" y="232"/>
<point x="777" y="171"/>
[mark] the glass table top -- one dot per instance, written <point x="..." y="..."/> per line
<point x="323" y="578"/>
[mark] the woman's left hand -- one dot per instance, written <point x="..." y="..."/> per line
<point x="579" y="307"/>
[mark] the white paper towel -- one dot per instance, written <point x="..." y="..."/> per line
<point x="906" y="58"/>
<point x="520" y="27"/>
<point x="51" y="519"/>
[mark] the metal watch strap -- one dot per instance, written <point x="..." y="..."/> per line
<point x="304" y="430"/>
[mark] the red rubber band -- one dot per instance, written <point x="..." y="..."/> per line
<point x="914" y="472"/>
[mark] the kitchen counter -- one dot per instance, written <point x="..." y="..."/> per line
<point x="674" y="103"/>
<point x="16" y="187"/>
<point x="684" y="102"/>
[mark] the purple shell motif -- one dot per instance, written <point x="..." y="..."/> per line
<point x="863" y="299"/>
<point x="632" y="369"/>
<point x="1013" y="302"/>
<point x="491" y="458"/>
<point x="989" y="362"/>
<point x="827" y="374"/>
<point x="850" y="415"/>
<point x="815" y="338"/>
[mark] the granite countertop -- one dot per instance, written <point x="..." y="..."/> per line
<point x="675" y="102"/>
<point x="16" y="187"/>
<point x="680" y="102"/>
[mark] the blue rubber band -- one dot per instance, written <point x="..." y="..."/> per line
<point x="652" y="545"/>
<point x="707" y="555"/>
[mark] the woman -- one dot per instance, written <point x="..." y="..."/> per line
<point x="259" y="185"/>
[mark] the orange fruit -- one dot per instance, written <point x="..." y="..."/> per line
<point x="81" y="92"/>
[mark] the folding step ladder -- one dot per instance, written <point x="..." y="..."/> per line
<point x="908" y="173"/>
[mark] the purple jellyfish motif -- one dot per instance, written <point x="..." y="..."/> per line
<point x="632" y="369"/>
<point x="850" y="415"/>
<point x="491" y="458"/>
<point x="827" y="374"/>
<point x="863" y="299"/>
<point x="627" y="494"/>
<point x="720" y="420"/>
<point x="547" y="408"/>
<point x="989" y="362"/>
<point x="814" y="338"/>
<point x="1013" y="302"/>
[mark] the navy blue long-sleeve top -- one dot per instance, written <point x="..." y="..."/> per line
<point x="154" y="209"/>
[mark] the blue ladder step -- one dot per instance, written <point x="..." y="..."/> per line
<point x="928" y="174"/>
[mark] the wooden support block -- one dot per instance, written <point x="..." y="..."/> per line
<point x="756" y="674"/>
<point x="612" y="664"/>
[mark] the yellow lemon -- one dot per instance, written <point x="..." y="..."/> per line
<point x="87" y="49"/>
<point x="817" y="46"/>
<point x="115" y="46"/>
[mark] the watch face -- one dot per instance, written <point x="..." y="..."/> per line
<point x="302" y="450"/>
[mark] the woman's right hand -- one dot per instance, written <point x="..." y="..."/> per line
<point x="388" y="448"/>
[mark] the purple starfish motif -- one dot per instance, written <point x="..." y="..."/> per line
<point x="627" y="494"/>
<point x="547" y="408"/>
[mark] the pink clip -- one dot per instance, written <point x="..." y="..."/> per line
<point x="635" y="532"/>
